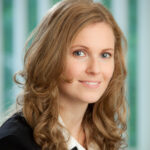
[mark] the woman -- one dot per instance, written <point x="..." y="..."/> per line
<point x="74" y="72"/>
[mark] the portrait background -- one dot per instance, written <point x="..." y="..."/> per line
<point x="19" y="17"/>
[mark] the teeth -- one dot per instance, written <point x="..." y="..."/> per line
<point x="92" y="83"/>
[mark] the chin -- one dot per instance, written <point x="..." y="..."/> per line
<point x="90" y="99"/>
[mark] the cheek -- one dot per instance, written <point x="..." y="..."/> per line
<point x="73" y="69"/>
<point x="109" y="72"/>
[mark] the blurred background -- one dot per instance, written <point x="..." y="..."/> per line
<point x="19" y="17"/>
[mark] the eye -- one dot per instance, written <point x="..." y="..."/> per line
<point x="106" y="55"/>
<point x="78" y="53"/>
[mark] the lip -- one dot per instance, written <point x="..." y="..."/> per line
<point x="90" y="84"/>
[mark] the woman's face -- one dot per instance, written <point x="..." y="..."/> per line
<point x="89" y="64"/>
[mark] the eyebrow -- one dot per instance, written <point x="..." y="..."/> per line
<point x="83" y="46"/>
<point x="79" y="46"/>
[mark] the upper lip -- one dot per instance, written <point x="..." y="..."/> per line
<point x="88" y="81"/>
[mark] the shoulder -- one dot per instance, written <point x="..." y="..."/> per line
<point x="15" y="133"/>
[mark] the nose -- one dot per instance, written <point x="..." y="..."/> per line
<point x="93" y="66"/>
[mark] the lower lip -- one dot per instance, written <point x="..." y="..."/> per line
<point x="89" y="85"/>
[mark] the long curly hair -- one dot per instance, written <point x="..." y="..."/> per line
<point x="44" y="62"/>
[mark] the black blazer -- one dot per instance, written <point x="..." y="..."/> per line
<point x="16" y="134"/>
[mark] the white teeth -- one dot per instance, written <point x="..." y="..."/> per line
<point x="92" y="83"/>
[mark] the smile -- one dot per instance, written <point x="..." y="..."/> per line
<point x="91" y="84"/>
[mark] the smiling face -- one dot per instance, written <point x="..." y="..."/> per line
<point x="89" y="64"/>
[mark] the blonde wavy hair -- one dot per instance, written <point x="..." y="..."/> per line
<point x="44" y="63"/>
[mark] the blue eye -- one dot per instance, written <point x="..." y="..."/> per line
<point x="106" y="55"/>
<point x="78" y="53"/>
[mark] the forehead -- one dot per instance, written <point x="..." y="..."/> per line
<point x="95" y="35"/>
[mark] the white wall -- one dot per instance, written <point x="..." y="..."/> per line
<point x="143" y="80"/>
<point x="120" y="12"/>
<point x="19" y="37"/>
<point x="42" y="7"/>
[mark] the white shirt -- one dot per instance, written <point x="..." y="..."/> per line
<point x="72" y="142"/>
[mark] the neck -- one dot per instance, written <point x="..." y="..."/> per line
<point x="72" y="114"/>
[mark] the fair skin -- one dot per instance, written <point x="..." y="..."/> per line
<point x="89" y="66"/>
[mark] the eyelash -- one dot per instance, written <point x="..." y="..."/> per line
<point x="107" y="55"/>
<point x="76" y="53"/>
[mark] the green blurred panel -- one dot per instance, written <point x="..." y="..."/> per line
<point x="132" y="54"/>
<point x="7" y="24"/>
<point x="7" y="45"/>
<point x="55" y="1"/>
<point x="32" y="15"/>
<point x="107" y="4"/>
